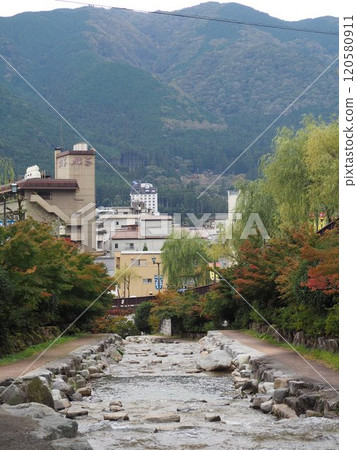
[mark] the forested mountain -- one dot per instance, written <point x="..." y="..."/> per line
<point x="163" y="98"/>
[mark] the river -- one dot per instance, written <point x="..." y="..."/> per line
<point x="160" y="379"/>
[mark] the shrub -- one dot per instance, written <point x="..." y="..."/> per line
<point x="141" y="318"/>
<point x="115" y="324"/>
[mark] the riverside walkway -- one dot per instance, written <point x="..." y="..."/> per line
<point x="19" y="368"/>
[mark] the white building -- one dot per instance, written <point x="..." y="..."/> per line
<point x="148" y="234"/>
<point x="144" y="193"/>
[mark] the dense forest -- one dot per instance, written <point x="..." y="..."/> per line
<point x="170" y="111"/>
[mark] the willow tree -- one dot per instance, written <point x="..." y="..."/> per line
<point x="321" y="158"/>
<point x="299" y="180"/>
<point x="286" y="178"/>
<point x="184" y="259"/>
<point x="7" y="173"/>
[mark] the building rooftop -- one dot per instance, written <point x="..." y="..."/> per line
<point x="137" y="187"/>
<point x="48" y="184"/>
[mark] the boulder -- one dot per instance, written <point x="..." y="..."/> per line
<point x="72" y="413"/>
<point x="41" y="373"/>
<point x="62" y="386"/>
<point x="80" y="381"/>
<point x="116" y="403"/>
<point x="283" y="412"/>
<point x="267" y="407"/>
<point x="281" y="382"/>
<point x="218" y="360"/>
<point x="13" y="395"/>
<point x="258" y="399"/>
<point x="93" y="369"/>
<point x="294" y="404"/>
<point x="309" y="400"/>
<point x="60" y="400"/>
<point x="116" y="408"/>
<point x="280" y="394"/>
<point x="295" y="386"/>
<point x="76" y="397"/>
<point x="37" y="392"/>
<point x="265" y="387"/>
<point x="241" y="359"/>
<point x="246" y="373"/>
<point x="50" y="424"/>
<point x="310" y="413"/>
<point x="160" y="418"/>
<point x="250" y="386"/>
<point x="239" y="382"/>
<point x="212" y="418"/>
<point x="59" y="367"/>
<point x="84" y="373"/>
<point x="116" y="416"/>
<point x="85" y="391"/>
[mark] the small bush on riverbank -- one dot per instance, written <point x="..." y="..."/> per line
<point x="141" y="318"/>
<point x="115" y="324"/>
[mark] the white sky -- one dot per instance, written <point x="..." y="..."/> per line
<point x="283" y="9"/>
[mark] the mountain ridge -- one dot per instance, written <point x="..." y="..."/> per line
<point x="146" y="89"/>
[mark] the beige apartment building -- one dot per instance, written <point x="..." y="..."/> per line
<point x="140" y="273"/>
<point x="67" y="201"/>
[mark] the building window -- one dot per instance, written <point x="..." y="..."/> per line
<point x="129" y="246"/>
<point x="45" y="195"/>
<point x="147" y="280"/>
<point x="139" y="262"/>
<point x="116" y="246"/>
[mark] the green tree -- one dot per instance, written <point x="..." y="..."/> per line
<point x="286" y="178"/>
<point x="53" y="281"/>
<point x="6" y="305"/>
<point x="7" y="173"/>
<point x="141" y="318"/>
<point x="184" y="260"/>
<point x="321" y="158"/>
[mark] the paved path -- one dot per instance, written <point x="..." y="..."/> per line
<point x="21" y="367"/>
<point x="288" y="359"/>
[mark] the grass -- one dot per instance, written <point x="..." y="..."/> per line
<point x="34" y="349"/>
<point x="325" y="357"/>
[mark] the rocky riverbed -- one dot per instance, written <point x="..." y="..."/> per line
<point x="162" y="394"/>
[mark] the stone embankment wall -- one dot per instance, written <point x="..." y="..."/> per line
<point x="39" y="394"/>
<point x="270" y="389"/>
<point x="297" y="338"/>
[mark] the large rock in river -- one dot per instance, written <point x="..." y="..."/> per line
<point x="218" y="360"/>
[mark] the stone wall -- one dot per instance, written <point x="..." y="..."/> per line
<point x="165" y="327"/>
<point x="297" y="338"/>
<point x="57" y="387"/>
<point x="23" y="340"/>
<point x="270" y="389"/>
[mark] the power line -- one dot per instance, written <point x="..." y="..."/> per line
<point x="206" y="18"/>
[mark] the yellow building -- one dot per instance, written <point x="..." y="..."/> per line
<point x="140" y="273"/>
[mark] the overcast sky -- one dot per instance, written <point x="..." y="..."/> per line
<point x="284" y="9"/>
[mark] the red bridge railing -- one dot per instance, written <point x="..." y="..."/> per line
<point x="134" y="302"/>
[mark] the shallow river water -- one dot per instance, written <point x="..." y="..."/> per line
<point x="160" y="379"/>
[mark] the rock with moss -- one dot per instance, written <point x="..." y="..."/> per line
<point x="37" y="392"/>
